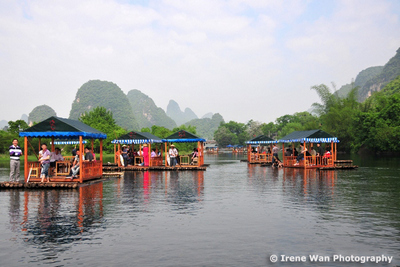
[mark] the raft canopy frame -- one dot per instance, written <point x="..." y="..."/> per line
<point x="137" y="138"/>
<point x="259" y="157"/>
<point x="310" y="137"/>
<point x="183" y="136"/>
<point x="65" y="129"/>
<point x="61" y="128"/>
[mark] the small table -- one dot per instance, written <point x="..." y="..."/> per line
<point x="63" y="167"/>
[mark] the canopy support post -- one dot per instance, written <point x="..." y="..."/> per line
<point x="304" y="155"/>
<point x="26" y="172"/>
<point x="81" y="159"/>
<point x="101" y="152"/>
<point x="166" y="154"/>
<point x="119" y="153"/>
<point x="149" y="155"/>
<point x="52" y="144"/>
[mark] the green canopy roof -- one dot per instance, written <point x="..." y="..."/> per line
<point x="183" y="136"/>
<point x="311" y="136"/>
<point x="137" y="138"/>
<point x="61" y="128"/>
<point x="261" y="139"/>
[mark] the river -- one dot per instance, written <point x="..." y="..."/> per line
<point x="233" y="214"/>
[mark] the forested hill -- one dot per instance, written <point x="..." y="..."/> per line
<point x="147" y="113"/>
<point x="180" y="117"/>
<point x="373" y="79"/>
<point x="360" y="80"/>
<point x="98" y="93"/>
<point x="206" y="127"/>
<point x="389" y="72"/>
<point x="40" y="113"/>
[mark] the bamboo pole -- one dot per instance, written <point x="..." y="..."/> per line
<point x="101" y="152"/>
<point x="166" y="154"/>
<point x="304" y="154"/>
<point x="26" y="172"/>
<point x="115" y="153"/>
<point x="149" y="155"/>
<point x="81" y="159"/>
<point x="52" y="144"/>
<point x="119" y="154"/>
<point x="283" y="154"/>
<point x="202" y="152"/>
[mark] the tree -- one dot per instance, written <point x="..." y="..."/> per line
<point x="102" y="120"/>
<point x="15" y="127"/>
<point x="338" y="114"/>
<point x="269" y="129"/>
<point x="239" y="130"/>
<point x="254" y="129"/>
<point x="225" y="137"/>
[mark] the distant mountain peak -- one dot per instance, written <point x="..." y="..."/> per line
<point x="207" y="115"/>
<point x="40" y="113"/>
<point x="179" y="116"/>
<point x="146" y="112"/>
<point x="96" y="93"/>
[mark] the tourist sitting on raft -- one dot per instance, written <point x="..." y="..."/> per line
<point x="326" y="155"/>
<point x="303" y="150"/>
<point x="88" y="155"/>
<point x="55" y="156"/>
<point x="153" y="153"/>
<point x="195" y="154"/>
<point x="75" y="166"/>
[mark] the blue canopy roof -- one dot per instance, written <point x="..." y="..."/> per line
<point x="261" y="139"/>
<point x="61" y="128"/>
<point x="137" y="138"/>
<point x="183" y="136"/>
<point x="70" y="142"/>
<point x="311" y="136"/>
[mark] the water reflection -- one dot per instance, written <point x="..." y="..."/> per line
<point x="298" y="185"/>
<point x="178" y="189"/>
<point x="232" y="214"/>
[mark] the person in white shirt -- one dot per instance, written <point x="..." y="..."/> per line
<point x="55" y="156"/>
<point x="173" y="153"/>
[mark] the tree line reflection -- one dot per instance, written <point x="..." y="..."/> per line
<point x="52" y="220"/>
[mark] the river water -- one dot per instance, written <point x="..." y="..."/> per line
<point x="233" y="214"/>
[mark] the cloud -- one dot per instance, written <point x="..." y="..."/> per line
<point x="244" y="59"/>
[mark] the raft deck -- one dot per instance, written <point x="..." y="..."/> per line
<point x="108" y="168"/>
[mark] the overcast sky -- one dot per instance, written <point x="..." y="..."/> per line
<point x="253" y="59"/>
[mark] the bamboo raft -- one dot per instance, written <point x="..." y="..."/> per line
<point x="33" y="185"/>
<point x="108" y="168"/>
<point x="339" y="165"/>
<point x="339" y="168"/>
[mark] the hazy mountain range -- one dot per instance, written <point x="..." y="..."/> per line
<point x="132" y="111"/>
<point x="137" y="110"/>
